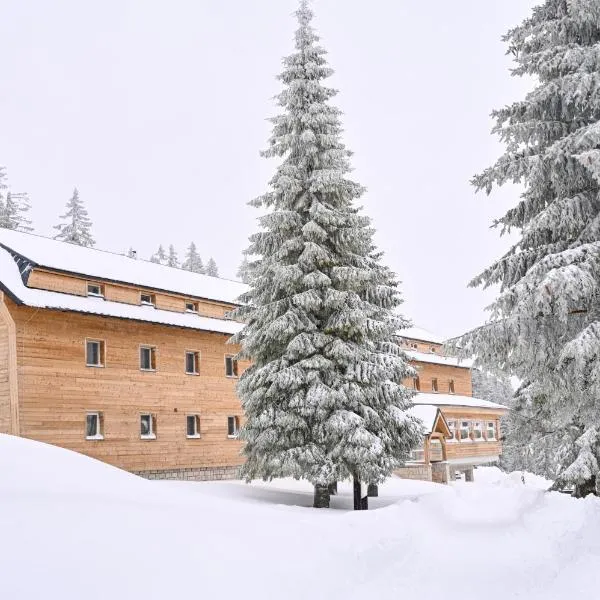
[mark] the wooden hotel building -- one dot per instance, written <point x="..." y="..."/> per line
<point x="127" y="361"/>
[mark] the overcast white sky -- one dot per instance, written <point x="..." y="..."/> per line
<point x="157" y="111"/>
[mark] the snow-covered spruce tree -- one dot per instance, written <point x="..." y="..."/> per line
<point x="323" y="399"/>
<point x="211" y="268"/>
<point x="3" y="188"/>
<point x="77" y="226"/>
<point x="160" y="257"/>
<point x="545" y="324"/>
<point x="172" y="259"/>
<point x="131" y="253"/>
<point x="243" y="272"/>
<point x="193" y="262"/>
<point x="15" y="210"/>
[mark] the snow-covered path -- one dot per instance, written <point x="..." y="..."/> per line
<point x="73" y="528"/>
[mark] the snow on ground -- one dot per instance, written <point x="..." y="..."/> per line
<point x="72" y="528"/>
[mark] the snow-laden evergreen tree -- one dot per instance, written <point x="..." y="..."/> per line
<point x="131" y="253"/>
<point x="172" y="259"/>
<point x="160" y="256"/>
<point x="3" y="188"/>
<point x="323" y="398"/>
<point x="15" y="212"/>
<point x="544" y="326"/>
<point x="192" y="261"/>
<point x="211" y="268"/>
<point x="77" y="226"/>
<point x="243" y="272"/>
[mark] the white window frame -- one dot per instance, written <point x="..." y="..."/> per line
<point x="152" y="349"/>
<point x="101" y="351"/>
<point x="151" y="302"/>
<point x="417" y="384"/>
<point x="234" y="363"/>
<point x="477" y="426"/>
<point x="196" y="435"/>
<point x="488" y="429"/>
<point x="196" y="356"/>
<point x="98" y="435"/>
<point x="99" y="293"/>
<point x="194" y="309"/>
<point x="452" y="428"/>
<point x="152" y="434"/>
<point x="468" y="438"/>
<point x="236" y="427"/>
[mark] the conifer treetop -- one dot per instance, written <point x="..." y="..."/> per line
<point x="77" y="226"/>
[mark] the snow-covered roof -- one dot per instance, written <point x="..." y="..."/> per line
<point x="11" y="282"/>
<point x="422" y="398"/>
<point x="438" y="359"/>
<point x="427" y="413"/>
<point x="417" y="333"/>
<point x="109" y="266"/>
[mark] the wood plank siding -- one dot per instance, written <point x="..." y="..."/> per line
<point x="57" y="390"/>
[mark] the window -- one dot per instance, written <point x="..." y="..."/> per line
<point x="93" y="426"/>
<point x="432" y="350"/>
<point x="147" y="358"/>
<point x="147" y="299"/>
<point x="477" y="431"/>
<point x="451" y="386"/>
<point x="231" y="366"/>
<point x="491" y="430"/>
<point x="94" y="353"/>
<point x="95" y="289"/>
<point x="148" y="427"/>
<point x="193" y="426"/>
<point x="434" y="385"/>
<point x="233" y="427"/>
<point x="464" y="431"/>
<point x="414" y="346"/>
<point x="452" y="428"/>
<point x="192" y="363"/>
<point x="191" y="307"/>
<point x="417" y="384"/>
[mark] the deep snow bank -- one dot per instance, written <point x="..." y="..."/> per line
<point x="72" y="528"/>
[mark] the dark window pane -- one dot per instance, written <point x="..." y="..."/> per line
<point x="146" y="358"/>
<point x="93" y="353"/>
<point x="191" y="425"/>
<point x="190" y="362"/>
<point x="230" y="425"/>
<point x="91" y="426"/>
<point x="228" y="366"/>
<point x="145" y="423"/>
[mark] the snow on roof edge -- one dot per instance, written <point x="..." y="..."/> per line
<point x="68" y="258"/>
<point x="436" y="399"/>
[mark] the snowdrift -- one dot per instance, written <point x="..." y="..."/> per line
<point x="74" y="528"/>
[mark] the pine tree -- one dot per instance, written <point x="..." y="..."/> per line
<point x="131" y="253"/>
<point x="211" y="268"/>
<point x="193" y="262"/>
<point x="323" y="397"/>
<point x="160" y="257"/>
<point x="3" y="188"/>
<point x="77" y="228"/>
<point x="243" y="273"/>
<point x="545" y="324"/>
<point x="172" y="259"/>
<point x="17" y="206"/>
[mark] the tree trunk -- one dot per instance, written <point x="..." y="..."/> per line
<point x="373" y="490"/>
<point x="321" y="499"/>
<point x="333" y="490"/>
<point x="364" y="503"/>
<point x="357" y="503"/>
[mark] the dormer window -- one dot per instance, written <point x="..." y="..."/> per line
<point x="95" y="290"/>
<point x="191" y="307"/>
<point x="147" y="299"/>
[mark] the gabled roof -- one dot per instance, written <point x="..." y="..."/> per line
<point x="422" y="335"/>
<point x="98" y="264"/>
<point x="12" y="283"/>
<point x="454" y="400"/>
